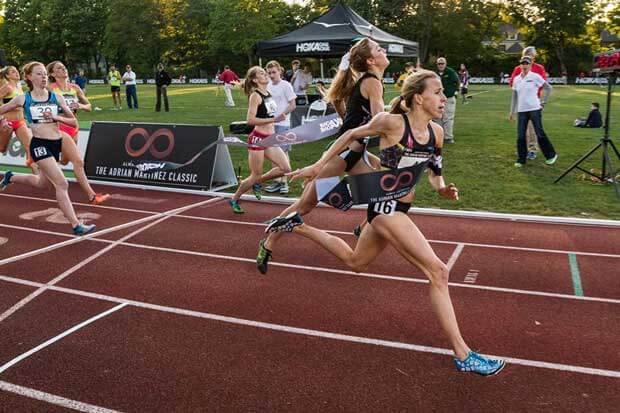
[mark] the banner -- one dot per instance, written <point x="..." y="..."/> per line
<point x="369" y="188"/>
<point x="150" y="154"/>
<point x="318" y="129"/>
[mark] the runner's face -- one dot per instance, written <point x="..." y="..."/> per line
<point x="378" y="56"/>
<point x="274" y="74"/>
<point x="38" y="77"/>
<point x="433" y="99"/>
<point x="261" y="78"/>
<point x="59" y="71"/>
<point x="13" y="74"/>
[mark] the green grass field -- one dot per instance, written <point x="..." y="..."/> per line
<point x="480" y="163"/>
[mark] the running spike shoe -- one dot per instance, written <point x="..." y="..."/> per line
<point x="83" y="229"/>
<point x="284" y="224"/>
<point x="357" y="231"/>
<point x="6" y="180"/>
<point x="98" y="198"/>
<point x="236" y="207"/>
<point x="477" y="363"/>
<point x="263" y="257"/>
<point x="256" y="188"/>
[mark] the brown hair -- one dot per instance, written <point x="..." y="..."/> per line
<point x="50" y="70"/>
<point x="274" y="63"/>
<point x="414" y="84"/>
<point x="249" y="86"/>
<point x="27" y="71"/>
<point x="344" y="82"/>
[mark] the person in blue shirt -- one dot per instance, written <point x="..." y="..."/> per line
<point x="81" y="81"/>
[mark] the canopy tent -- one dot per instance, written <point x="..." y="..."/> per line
<point x="330" y="35"/>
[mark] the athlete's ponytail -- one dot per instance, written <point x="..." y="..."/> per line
<point x="414" y="84"/>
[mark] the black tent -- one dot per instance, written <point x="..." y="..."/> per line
<point x="330" y="35"/>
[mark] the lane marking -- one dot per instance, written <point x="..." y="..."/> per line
<point x="53" y="399"/>
<point x="341" y="272"/>
<point x="576" y="276"/>
<point x="55" y="216"/>
<point x="60" y="336"/>
<point x="455" y="256"/>
<point x="139" y="199"/>
<point x="471" y="277"/>
<point x="21" y="303"/>
<point x="102" y="232"/>
<point x="3" y="240"/>
<point x="317" y="333"/>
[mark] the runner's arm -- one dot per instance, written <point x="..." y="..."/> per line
<point x="13" y="104"/>
<point x="83" y="102"/>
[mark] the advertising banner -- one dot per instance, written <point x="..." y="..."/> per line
<point x="181" y="156"/>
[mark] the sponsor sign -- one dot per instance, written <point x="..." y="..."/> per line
<point x="482" y="80"/>
<point x="16" y="153"/>
<point x="96" y="81"/>
<point x="396" y="48"/>
<point x="199" y="81"/>
<point x="312" y="47"/>
<point x="558" y="80"/>
<point x="182" y="156"/>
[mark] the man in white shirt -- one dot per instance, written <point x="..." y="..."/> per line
<point x="529" y="107"/>
<point x="301" y="80"/>
<point x="282" y="92"/>
<point x="129" y="77"/>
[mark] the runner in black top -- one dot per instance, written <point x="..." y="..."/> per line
<point x="402" y="146"/>
<point x="360" y="85"/>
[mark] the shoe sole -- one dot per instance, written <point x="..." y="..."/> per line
<point x="496" y="371"/>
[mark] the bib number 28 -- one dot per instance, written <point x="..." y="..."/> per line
<point x="385" y="207"/>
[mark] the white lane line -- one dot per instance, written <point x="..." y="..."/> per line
<point x="3" y="240"/>
<point x="60" y="336"/>
<point x="53" y="399"/>
<point x="21" y="303"/>
<point x="455" y="256"/>
<point x="103" y="232"/>
<point x="316" y="333"/>
<point x="345" y="272"/>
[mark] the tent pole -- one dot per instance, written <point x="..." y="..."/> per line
<point x="260" y="61"/>
<point x="322" y="73"/>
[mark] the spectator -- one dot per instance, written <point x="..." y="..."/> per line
<point x="528" y="105"/>
<point x="450" y="83"/>
<point x="162" y="81"/>
<point x="321" y="89"/>
<point x="288" y="76"/>
<point x="282" y="92"/>
<point x="129" y="77"/>
<point x="409" y="69"/>
<point x="594" y="120"/>
<point x="81" y="80"/>
<point x="532" y="143"/>
<point x="301" y="80"/>
<point x="114" y="78"/>
<point x="464" y="80"/>
<point x="229" y="78"/>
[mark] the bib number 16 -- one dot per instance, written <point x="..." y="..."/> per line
<point x="385" y="207"/>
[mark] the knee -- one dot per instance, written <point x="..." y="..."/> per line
<point x="439" y="274"/>
<point x="61" y="185"/>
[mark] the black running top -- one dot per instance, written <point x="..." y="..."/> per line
<point x="358" y="107"/>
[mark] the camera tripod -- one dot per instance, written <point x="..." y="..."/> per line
<point x="608" y="172"/>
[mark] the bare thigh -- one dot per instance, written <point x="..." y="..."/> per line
<point x="255" y="162"/>
<point x="278" y="157"/>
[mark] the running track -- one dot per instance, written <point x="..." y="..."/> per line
<point x="162" y="309"/>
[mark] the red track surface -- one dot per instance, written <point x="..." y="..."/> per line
<point x="201" y="329"/>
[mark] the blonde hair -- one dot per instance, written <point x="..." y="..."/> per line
<point x="4" y="75"/>
<point x="50" y="70"/>
<point x="27" y="71"/>
<point x="249" y="86"/>
<point x="344" y="82"/>
<point x="274" y="63"/>
<point x="414" y="84"/>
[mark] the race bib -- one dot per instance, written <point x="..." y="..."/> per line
<point x="37" y="112"/>
<point x="70" y="99"/>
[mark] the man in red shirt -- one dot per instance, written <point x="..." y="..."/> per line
<point x="530" y="137"/>
<point x="230" y="79"/>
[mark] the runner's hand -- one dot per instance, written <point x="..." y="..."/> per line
<point x="449" y="192"/>
<point x="308" y="173"/>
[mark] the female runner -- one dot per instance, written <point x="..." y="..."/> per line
<point x="359" y="83"/>
<point x="41" y="108"/>
<point x="75" y="99"/>
<point x="9" y="88"/>
<point x="261" y="111"/>
<point x="407" y="137"/>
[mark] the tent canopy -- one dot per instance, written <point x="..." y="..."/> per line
<point x="330" y="35"/>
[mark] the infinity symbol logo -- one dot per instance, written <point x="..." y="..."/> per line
<point x="335" y="200"/>
<point x="287" y="137"/>
<point x="150" y="142"/>
<point x="391" y="182"/>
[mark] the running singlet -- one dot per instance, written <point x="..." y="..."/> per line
<point x="268" y="106"/>
<point x="70" y="96"/>
<point x="358" y="107"/>
<point x="16" y="92"/>
<point x="34" y="110"/>
<point x="408" y="151"/>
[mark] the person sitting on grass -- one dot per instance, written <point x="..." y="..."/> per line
<point x="594" y="120"/>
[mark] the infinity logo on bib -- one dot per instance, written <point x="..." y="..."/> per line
<point x="335" y="200"/>
<point x="391" y="182"/>
<point x="149" y="143"/>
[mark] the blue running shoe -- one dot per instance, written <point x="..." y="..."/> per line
<point x="479" y="364"/>
<point x="83" y="229"/>
<point x="284" y="224"/>
<point x="256" y="188"/>
<point x="6" y="181"/>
